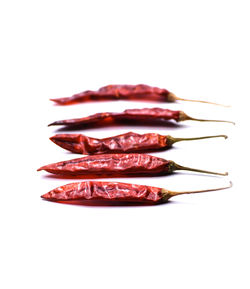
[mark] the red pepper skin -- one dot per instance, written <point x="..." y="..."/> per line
<point x="115" y="92"/>
<point x="118" y="165"/>
<point x="124" y="143"/>
<point x="91" y="190"/>
<point x="145" y="114"/>
<point x="111" y="192"/>
<point x="111" y="165"/>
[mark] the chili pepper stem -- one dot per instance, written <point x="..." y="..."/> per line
<point x="183" y="116"/>
<point x="175" y="167"/>
<point x="173" y="97"/>
<point x="169" y="194"/>
<point x="171" y="140"/>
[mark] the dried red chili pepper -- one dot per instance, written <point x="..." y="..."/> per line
<point x="118" y="165"/>
<point x="108" y="191"/>
<point x="126" y="92"/>
<point x="145" y="114"/>
<point x="123" y="143"/>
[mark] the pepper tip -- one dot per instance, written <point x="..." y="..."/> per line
<point x="45" y="196"/>
<point x="54" y="99"/>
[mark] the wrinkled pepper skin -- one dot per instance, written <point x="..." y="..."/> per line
<point x="144" y="114"/>
<point x="111" y="165"/>
<point x="92" y="190"/>
<point x="123" y="92"/>
<point x="112" y="192"/>
<point x="124" y="143"/>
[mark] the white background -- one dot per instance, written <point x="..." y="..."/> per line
<point x="196" y="49"/>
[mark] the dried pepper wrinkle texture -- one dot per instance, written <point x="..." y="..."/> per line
<point x="144" y="114"/>
<point x="118" y="165"/>
<point x="123" y="143"/>
<point x="125" y="92"/>
<point x="115" y="191"/>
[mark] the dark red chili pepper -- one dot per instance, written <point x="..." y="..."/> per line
<point x="126" y="92"/>
<point x="145" y="114"/>
<point x="123" y="143"/>
<point x="118" y="165"/>
<point x="115" y="192"/>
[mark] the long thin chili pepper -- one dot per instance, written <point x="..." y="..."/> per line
<point x="126" y="92"/>
<point x="111" y="192"/>
<point x="118" y="165"/>
<point x="123" y="143"/>
<point x="145" y="114"/>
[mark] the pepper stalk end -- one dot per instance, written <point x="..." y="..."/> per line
<point x="172" y="98"/>
<point x="167" y="194"/>
<point x="172" y="166"/>
<point x="171" y="140"/>
<point x="183" y="116"/>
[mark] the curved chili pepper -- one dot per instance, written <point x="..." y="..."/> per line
<point x="126" y="92"/>
<point x="123" y="143"/>
<point x="90" y="190"/>
<point x="118" y="165"/>
<point x="144" y="114"/>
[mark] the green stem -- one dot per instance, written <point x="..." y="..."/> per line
<point x="171" y="140"/>
<point x="175" y="167"/>
<point x="169" y="194"/>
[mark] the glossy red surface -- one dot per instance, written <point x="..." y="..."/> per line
<point x="110" y="164"/>
<point x="114" y="191"/>
<point x="114" y="92"/>
<point x="148" y="114"/>
<point x="124" y="143"/>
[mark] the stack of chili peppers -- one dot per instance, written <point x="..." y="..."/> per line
<point x="121" y="155"/>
